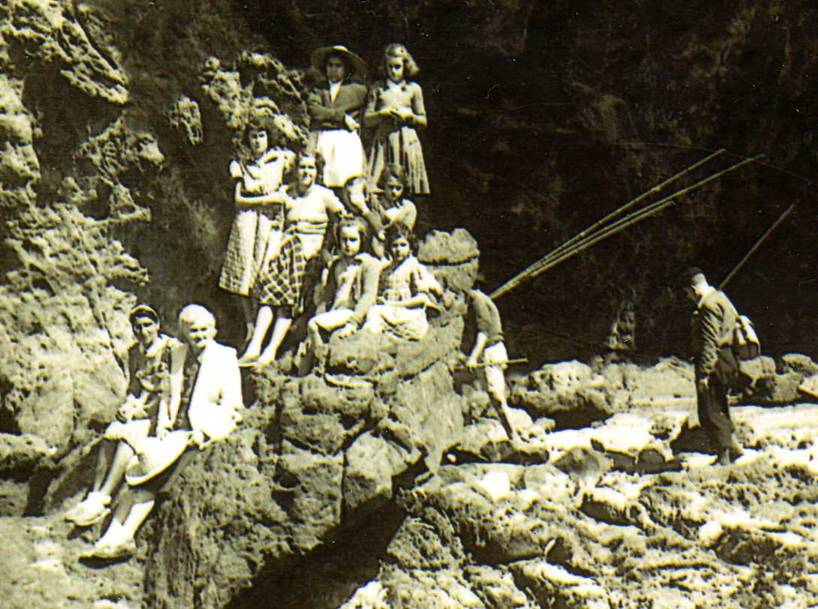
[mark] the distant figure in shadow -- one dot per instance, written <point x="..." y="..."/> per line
<point x="621" y="342"/>
<point x="484" y="326"/>
<point x="716" y="366"/>
<point x="155" y="370"/>
<point x="210" y="409"/>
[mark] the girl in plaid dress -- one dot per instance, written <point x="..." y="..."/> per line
<point x="285" y="281"/>
<point x="257" y="227"/>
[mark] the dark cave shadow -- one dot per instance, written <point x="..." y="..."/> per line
<point x="325" y="578"/>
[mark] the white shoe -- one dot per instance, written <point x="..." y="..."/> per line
<point x="111" y="551"/>
<point x="90" y="511"/>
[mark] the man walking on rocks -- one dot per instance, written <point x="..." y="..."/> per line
<point x="713" y="325"/>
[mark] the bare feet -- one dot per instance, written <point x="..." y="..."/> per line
<point x="264" y="361"/>
<point x="248" y="359"/>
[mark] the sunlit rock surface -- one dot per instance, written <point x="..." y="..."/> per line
<point x="387" y="481"/>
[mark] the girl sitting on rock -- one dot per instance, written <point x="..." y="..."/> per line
<point x="406" y="289"/>
<point x="286" y="280"/>
<point x="155" y="371"/>
<point x="257" y="227"/>
<point x="395" y="110"/>
<point x="349" y="289"/>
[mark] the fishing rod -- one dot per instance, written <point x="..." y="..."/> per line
<point x="582" y="234"/>
<point x="621" y="210"/>
<point x="638" y="216"/>
<point x="509" y="362"/>
<point x="778" y="168"/>
<point x="549" y="261"/>
<point x="757" y="244"/>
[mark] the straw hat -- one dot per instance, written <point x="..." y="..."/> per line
<point x="156" y="456"/>
<point x="356" y="65"/>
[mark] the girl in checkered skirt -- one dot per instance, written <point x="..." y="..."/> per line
<point x="286" y="279"/>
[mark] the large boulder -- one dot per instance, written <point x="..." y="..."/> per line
<point x="315" y="456"/>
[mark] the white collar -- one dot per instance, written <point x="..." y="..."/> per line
<point x="334" y="87"/>
<point x="707" y="293"/>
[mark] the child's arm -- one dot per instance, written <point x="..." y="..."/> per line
<point x="418" y="300"/>
<point x="319" y="111"/>
<point x="373" y="115"/>
<point x="406" y="213"/>
<point x="418" y="107"/>
<point x="414" y="116"/>
<point x="371" y="275"/>
<point x="333" y="204"/>
<point x="356" y="95"/>
<point x="477" y="350"/>
<point x="277" y="197"/>
<point x="325" y="294"/>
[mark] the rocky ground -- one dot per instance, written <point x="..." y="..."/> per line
<point x="347" y="498"/>
<point x="386" y="482"/>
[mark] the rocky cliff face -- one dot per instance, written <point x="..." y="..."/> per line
<point x="118" y="118"/>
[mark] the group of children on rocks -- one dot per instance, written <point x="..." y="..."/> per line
<point x="335" y="247"/>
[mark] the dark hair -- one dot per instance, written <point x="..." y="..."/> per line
<point x="400" y="230"/>
<point x="349" y="69"/>
<point x="687" y="275"/>
<point x="393" y="170"/>
<point x="143" y="310"/>
<point x="262" y="123"/>
<point x="355" y="222"/>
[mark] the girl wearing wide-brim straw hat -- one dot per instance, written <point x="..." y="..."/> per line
<point x="335" y="108"/>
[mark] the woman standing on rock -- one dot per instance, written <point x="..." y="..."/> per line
<point x="289" y="277"/>
<point x="395" y="109"/>
<point x="335" y="112"/>
<point x="257" y="228"/>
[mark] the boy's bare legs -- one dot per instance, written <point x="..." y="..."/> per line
<point x="112" y="460"/>
<point x="118" y="540"/>
<point x="104" y="458"/>
<point x="119" y="462"/>
<point x="496" y="386"/>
